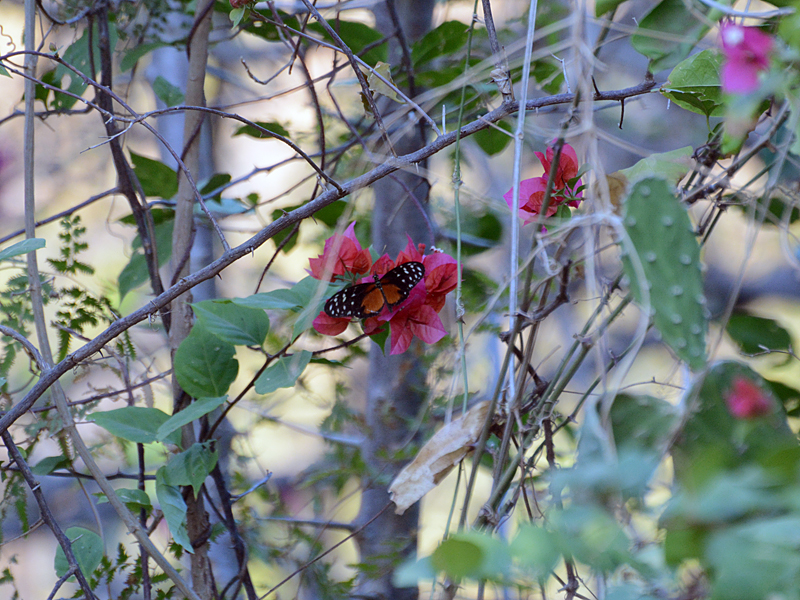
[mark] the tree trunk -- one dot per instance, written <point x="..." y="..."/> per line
<point x="396" y="391"/>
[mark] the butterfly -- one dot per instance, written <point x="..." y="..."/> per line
<point x="369" y="299"/>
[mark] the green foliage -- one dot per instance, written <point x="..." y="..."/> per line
<point x="669" y="258"/>
<point x="87" y="547"/>
<point x="174" y="508"/>
<point x="204" y="364"/>
<point x="78" y="55"/>
<point x="695" y="84"/>
<point x="667" y="34"/>
<point x="233" y="323"/>
<point x="156" y="178"/>
<point x="756" y="334"/>
<point x="191" y="467"/>
<point x="137" y="424"/>
<point x="283" y="373"/>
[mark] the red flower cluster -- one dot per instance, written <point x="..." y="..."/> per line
<point x="746" y="400"/>
<point x="747" y="53"/>
<point x="531" y="191"/>
<point x="417" y="316"/>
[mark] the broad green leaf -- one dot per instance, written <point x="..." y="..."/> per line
<point x="157" y="179"/>
<point x="271" y="127"/>
<point x="601" y="7"/>
<point x="279" y="237"/>
<point x="77" y="55"/>
<point x="329" y="214"/>
<point x="133" y="498"/>
<point x="198" y="408"/>
<point x="23" y="247"/>
<point x="169" y="94"/>
<point x="133" y="55"/>
<point x="237" y="14"/>
<point x="133" y="423"/>
<point x="204" y="364"/>
<point x="493" y="141"/>
<point x="669" y="32"/>
<point x="535" y="550"/>
<point x="283" y="373"/>
<point x="672" y="166"/>
<point x="755" y="334"/>
<point x="233" y="323"/>
<point x="695" y="84"/>
<point x="447" y="38"/>
<point x="458" y="559"/>
<point x="642" y="421"/>
<point x="474" y="555"/>
<point x="275" y="300"/>
<point x="190" y="467"/>
<point x="87" y="547"/>
<point x="357" y="36"/>
<point x="174" y="508"/>
<point x="50" y="464"/>
<point x="136" y="273"/>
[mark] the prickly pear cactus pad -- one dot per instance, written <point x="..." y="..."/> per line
<point x="664" y="242"/>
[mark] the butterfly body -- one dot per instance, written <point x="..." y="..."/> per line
<point x="369" y="299"/>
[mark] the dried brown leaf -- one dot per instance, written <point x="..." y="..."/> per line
<point x="448" y="447"/>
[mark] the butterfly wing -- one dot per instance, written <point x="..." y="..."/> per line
<point x="359" y="301"/>
<point x="398" y="283"/>
<point x="368" y="299"/>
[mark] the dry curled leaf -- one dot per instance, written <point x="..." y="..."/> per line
<point x="444" y="450"/>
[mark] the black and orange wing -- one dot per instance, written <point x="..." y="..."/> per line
<point x="357" y="301"/>
<point x="398" y="283"/>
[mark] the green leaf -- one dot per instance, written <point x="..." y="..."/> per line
<point x="604" y="6"/>
<point x="275" y="300"/>
<point x="672" y="166"/>
<point x="136" y="273"/>
<point x="535" y="550"/>
<point x="204" y="364"/>
<point x="174" y="508"/>
<point x="23" y="247"/>
<point x="474" y="555"/>
<point x="198" y="408"/>
<point x="329" y="215"/>
<point x="133" y="498"/>
<point x="133" y="423"/>
<point x="169" y="94"/>
<point x="283" y="373"/>
<point x="77" y="55"/>
<point x="281" y="235"/>
<point x="50" y="464"/>
<point x="668" y="255"/>
<point x="357" y="36"/>
<point x="237" y="14"/>
<point x="157" y="179"/>
<point x="133" y="55"/>
<point x="755" y="334"/>
<point x="492" y="141"/>
<point x="271" y="127"/>
<point x="642" y="421"/>
<point x="695" y="84"/>
<point x="458" y="558"/>
<point x="776" y="210"/>
<point x="233" y="323"/>
<point x="190" y="467"/>
<point x="87" y="547"/>
<point x="669" y="32"/>
<point x="447" y="38"/>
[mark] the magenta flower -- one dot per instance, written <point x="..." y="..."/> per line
<point x="746" y="400"/>
<point x="747" y="52"/>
